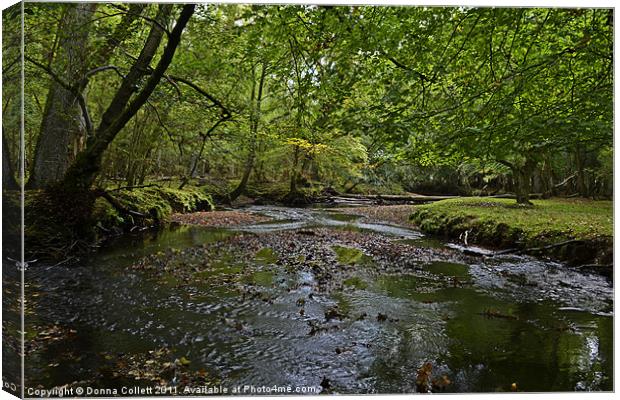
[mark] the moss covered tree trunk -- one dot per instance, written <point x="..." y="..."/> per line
<point x="63" y="127"/>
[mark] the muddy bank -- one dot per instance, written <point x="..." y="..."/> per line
<point x="397" y="214"/>
<point x="228" y="218"/>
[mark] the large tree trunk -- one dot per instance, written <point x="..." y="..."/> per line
<point x="82" y="174"/>
<point x="523" y="181"/>
<point x="63" y="123"/>
<point x="546" y="176"/>
<point x="63" y="127"/>
<point x="8" y="175"/>
<point x="522" y="178"/>
<point x="522" y="187"/>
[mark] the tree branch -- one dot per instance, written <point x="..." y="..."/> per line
<point x="87" y="165"/>
<point x="71" y="89"/>
<point x="402" y="66"/>
<point x="104" y="68"/>
<point x="139" y="15"/>
<point x="225" y="111"/>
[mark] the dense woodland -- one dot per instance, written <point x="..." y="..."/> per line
<point x="247" y="99"/>
<point x="140" y="116"/>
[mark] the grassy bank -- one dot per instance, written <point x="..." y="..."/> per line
<point x="587" y="224"/>
<point x="59" y="223"/>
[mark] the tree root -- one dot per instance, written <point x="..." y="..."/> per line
<point x="117" y="204"/>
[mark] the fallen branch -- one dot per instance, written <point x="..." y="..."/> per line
<point x="507" y="251"/>
<point x="565" y="181"/>
<point x="536" y="249"/>
<point x="395" y="197"/>
<point x="496" y="314"/>
<point x="513" y="197"/>
<point x="554" y="245"/>
<point x="133" y="187"/>
<point x="117" y="204"/>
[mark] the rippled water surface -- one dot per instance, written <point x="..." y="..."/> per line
<point x="318" y="296"/>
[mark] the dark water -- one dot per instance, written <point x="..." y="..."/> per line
<point x="483" y="323"/>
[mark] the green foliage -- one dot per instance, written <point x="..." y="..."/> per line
<point x="363" y="98"/>
<point x="355" y="282"/>
<point x="106" y="216"/>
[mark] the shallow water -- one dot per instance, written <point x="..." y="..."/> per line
<point x="370" y="320"/>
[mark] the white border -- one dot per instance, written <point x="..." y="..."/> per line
<point x="479" y="3"/>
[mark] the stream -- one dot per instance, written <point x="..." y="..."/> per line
<point x="317" y="298"/>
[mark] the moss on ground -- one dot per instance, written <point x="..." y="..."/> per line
<point x="58" y="223"/>
<point x="156" y="203"/>
<point x="503" y="223"/>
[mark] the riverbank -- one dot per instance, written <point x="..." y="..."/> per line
<point x="577" y="231"/>
<point x="60" y="225"/>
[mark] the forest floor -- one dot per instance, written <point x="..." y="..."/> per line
<point x="586" y="224"/>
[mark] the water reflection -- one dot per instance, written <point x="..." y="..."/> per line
<point x="483" y="324"/>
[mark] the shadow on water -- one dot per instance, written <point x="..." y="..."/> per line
<point x="260" y="315"/>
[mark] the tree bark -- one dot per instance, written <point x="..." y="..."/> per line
<point x="522" y="177"/>
<point x="63" y="123"/>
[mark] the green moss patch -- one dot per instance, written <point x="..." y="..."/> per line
<point x="156" y="203"/>
<point x="503" y="223"/>
<point x="351" y="256"/>
<point x="266" y="255"/>
<point x="161" y="202"/>
<point x="355" y="282"/>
